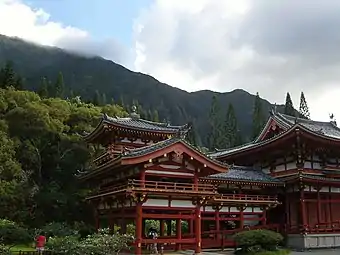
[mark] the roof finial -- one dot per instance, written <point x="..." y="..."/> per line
<point x="134" y="108"/>
<point x="275" y="107"/>
<point x="332" y="119"/>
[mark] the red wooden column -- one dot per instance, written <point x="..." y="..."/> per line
<point x="217" y="223"/>
<point x="198" y="232"/>
<point x="191" y="227"/>
<point x="330" y="204"/>
<point x="303" y="208"/>
<point x="287" y="210"/>
<point x="139" y="229"/>
<point x="142" y="177"/>
<point x="178" y="234"/>
<point x="161" y="227"/>
<point x="318" y="212"/>
<point x="96" y="219"/>
<point x="264" y="215"/>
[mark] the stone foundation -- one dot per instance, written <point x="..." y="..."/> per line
<point x="313" y="241"/>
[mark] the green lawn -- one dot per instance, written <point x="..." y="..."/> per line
<point x="22" y="248"/>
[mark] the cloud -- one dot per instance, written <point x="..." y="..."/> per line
<point x="20" y="20"/>
<point x="267" y="46"/>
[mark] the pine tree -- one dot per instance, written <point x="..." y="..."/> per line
<point x="192" y="136"/>
<point x="289" y="107"/>
<point x="59" y="86"/>
<point x="43" y="89"/>
<point x="215" y="124"/>
<point x="97" y="98"/>
<point x="104" y="100"/>
<point x="258" y="117"/>
<point x="19" y="83"/>
<point x="303" y="110"/>
<point x="8" y="78"/>
<point x="155" y="116"/>
<point x="232" y="136"/>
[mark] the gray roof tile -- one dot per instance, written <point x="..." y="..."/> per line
<point x="144" y="125"/>
<point x="241" y="173"/>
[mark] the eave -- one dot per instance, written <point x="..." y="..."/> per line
<point x="240" y="182"/>
<point x="179" y="146"/>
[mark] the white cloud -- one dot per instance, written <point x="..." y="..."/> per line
<point x="20" y="20"/>
<point x="267" y="46"/>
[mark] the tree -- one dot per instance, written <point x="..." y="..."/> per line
<point x="231" y="132"/>
<point x="215" y="139"/>
<point x="43" y="89"/>
<point x="155" y="116"/>
<point x="258" y="117"/>
<point x="289" y="108"/>
<point x="59" y="86"/>
<point x="8" y="77"/>
<point x="303" y="110"/>
<point x="192" y="136"/>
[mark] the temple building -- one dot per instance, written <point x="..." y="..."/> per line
<point x="305" y="156"/>
<point x="148" y="171"/>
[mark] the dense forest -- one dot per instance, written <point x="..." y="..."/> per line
<point x="42" y="149"/>
<point x="103" y="81"/>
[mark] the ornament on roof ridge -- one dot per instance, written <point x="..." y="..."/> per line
<point x="134" y="114"/>
<point x="332" y="119"/>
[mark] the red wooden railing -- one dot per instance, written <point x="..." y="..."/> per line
<point x="173" y="186"/>
<point x="246" y="197"/>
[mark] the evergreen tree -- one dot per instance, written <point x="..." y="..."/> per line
<point x="97" y="98"/>
<point x="155" y="116"/>
<point x="59" y="86"/>
<point x="303" y="110"/>
<point x="104" y="100"/>
<point x="289" y="107"/>
<point x="215" y="139"/>
<point x="8" y="78"/>
<point x="43" y="89"/>
<point x="231" y="132"/>
<point x="19" y="83"/>
<point x="258" y="117"/>
<point x="192" y="136"/>
<point x="149" y="115"/>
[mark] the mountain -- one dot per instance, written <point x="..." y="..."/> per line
<point x="86" y="76"/>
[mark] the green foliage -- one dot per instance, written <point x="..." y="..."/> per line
<point x="257" y="240"/>
<point x="258" y="116"/>
<point x="41" y="153"/>
<point x="289" y="107"/>
<point x="231" y="135"/>
<point x="303" y="110"/>
<point x="101" y="243"/>
<point x="4" y="250"/>
<point x="57" y="229"/>
<point x="215" y="125"/>
<point x="12" y="233"/>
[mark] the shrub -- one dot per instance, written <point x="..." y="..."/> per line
<point x="4" y="250"/>
<point x="12" y="233"/>
<point x="57" y="229"/>
<point x="257" y="240"/>
<point x="101" y="243"/>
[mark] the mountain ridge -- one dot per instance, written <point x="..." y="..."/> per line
<point x="84" y="75"/>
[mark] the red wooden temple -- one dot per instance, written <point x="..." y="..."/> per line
<point x="286" y="180"/>
<point x="304" y="154"/>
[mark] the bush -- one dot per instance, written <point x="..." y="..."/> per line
<point x="57" y="229"/>
<point x="257" y="240"/>
<point x="12" y="233"/>
<point x="101" y="243"/>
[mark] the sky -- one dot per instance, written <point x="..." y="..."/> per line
<point x="266" y="46"/>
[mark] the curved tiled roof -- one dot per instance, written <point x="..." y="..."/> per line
<point x="145" y="125"/>
<point x="320" y="127"/>
<point x="242" y="173"/>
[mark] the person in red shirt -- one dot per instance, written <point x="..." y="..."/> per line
<point x="40" y="243"/>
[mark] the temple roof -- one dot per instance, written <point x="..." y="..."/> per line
<point x="320" y="127"/>
<point x="177" y="144"/>
<point x="145" y="125"/>
<point x="241" y="173"/>
<point x="288" y="124"/>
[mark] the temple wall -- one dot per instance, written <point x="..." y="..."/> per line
<point x="312" y="241"/>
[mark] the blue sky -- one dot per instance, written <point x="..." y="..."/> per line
<point x="102" y="18"/>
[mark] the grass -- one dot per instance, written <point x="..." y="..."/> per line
<point x="278" y="252"/>
<point x="22" y="247"/>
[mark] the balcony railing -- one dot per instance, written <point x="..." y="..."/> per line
<point x="182" y="188"/>
<point x="172" y="186"/>
<point x="245" y="197"/>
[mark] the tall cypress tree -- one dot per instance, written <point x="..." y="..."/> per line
<point x="7" y="76"/>
<point x="303" y="110"/>
<point x="43" y="89"/>
<point x="289" y="108"/>
<point x="258" y="117"/>
<point x="192" y="136"/>
<point x="155" y="116"/>
<point x="59" y="86"/>
<point x="231" y="133"/>
<point x="215" y="138"/>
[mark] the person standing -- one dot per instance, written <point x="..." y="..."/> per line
<point x="40" y="243"/>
